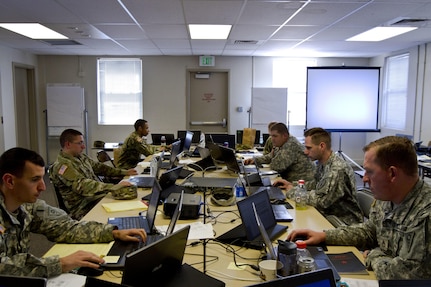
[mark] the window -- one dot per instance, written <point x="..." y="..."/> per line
<point x="292" y="73"/>
<point x="394" y="106"/>
<point x="119" y="91"/>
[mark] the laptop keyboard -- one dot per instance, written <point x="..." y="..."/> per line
<point x="130" y="222"/>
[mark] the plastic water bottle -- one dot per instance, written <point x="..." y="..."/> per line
<point x="304" y="260"/>
<point x="301" y="195"/>
<point x="239" y="189"/>
<point x="163" y="141"/>
<point x="153" y="167"/>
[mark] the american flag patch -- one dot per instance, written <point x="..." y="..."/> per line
<point x="62" y="169"/>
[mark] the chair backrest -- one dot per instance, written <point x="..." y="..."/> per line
<point x="365" y="199"/>
<point x="104" y="157"/>
<point x="60" y="200"/>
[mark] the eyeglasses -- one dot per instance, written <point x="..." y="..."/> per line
<point x="79" y="143"/>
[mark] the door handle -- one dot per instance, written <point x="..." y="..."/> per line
<point x="222" y="123"/>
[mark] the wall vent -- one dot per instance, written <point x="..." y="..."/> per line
<point x="61" y="42"/>
<point x="247" y="42"/>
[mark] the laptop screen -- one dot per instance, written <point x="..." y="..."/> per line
<point x="155" y="262"/>
<point x="186" y="142"/>
<point x="318" y="278"/>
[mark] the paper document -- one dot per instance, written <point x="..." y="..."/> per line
<point x="198" y="230"/>
<point x="65" y="249"/>
<point x="124" y="205"/>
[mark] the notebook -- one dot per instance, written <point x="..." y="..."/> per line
<point x="256" y="184"/>
<point x="145" y="222"/>
<point x="205" y="163"/>
<point x="13" y="281"/>
<point x="248" y="234"/>
<point x="153" y="263"/>
<point x="201" y="183"/>
<point x="318" y="278"/>
<point x="322" y="260"/>
<point x="165" y="267"/>
<point x="405" y="283"/>
<point x="264" y="234"/>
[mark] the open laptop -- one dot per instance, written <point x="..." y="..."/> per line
<point x="255" y="183"/>
<point x="186" y="143"/>
<point x="205" y="163"/>
<point x="318" y="278"/>
<point x="146" y="181"/>
<point x="175" y="151"/>
<point x="405" y="283"/>
<point x="165" y="267"/>
<point x="13" y="281"/>
<point x="247" y="234"/>
<point x="265" y="236"/>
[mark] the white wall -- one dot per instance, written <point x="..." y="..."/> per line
<point x="7" y="102"/>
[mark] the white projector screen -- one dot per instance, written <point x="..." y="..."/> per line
<point x="343" y="99"/>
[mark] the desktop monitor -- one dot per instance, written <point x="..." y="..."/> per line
<point x="221" y="139"/>
<point x="196" y="135"/>
<point x="239" y="134"/>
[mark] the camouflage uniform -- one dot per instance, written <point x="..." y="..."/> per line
<point x="55" y="224"/>
<point x="333" y="190"/>
<point x="399" y="237"/>
<point x="267" y="148"/>
<point x="290" y="161"/>
<point x="76" y="179"/>
<point x="132" y="149"/>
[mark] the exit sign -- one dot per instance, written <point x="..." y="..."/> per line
<point x="207" y="61"/>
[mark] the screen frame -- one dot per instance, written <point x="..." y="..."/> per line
<point x="359" y="79"/>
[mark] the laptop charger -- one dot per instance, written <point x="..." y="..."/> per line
<point x="190" y="208"/>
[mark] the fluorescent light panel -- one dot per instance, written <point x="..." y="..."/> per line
<point x="213" y="32"/>
<point x="381" y="33"/>
<point x="32" y="30"/>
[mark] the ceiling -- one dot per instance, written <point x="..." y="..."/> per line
<point x="315" y="28"/>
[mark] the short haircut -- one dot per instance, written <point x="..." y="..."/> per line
<point x="271" y="124"/>
<point x="139" y="123"/>
<point x="319" y="135"/>
<point x="13" y="161"/>
<point x="395" y="151"/>
<point x="280" y="128"/>
<point x="68" y="135"/>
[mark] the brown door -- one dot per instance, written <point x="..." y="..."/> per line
<point x="208" y="102"/>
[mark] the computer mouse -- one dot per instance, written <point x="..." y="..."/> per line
<point x="88" y="271"/>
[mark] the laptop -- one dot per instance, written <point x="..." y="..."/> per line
<point x="265" y="236"/>
<point x="204" y="183"/>
<point x="255" y="183"/>
<point x="145" y="222"/>
<point x="91" y="281"/>
<point x="165" y="267"/>
<point x="405" y="283"/>
<point x="318" y="278"/>
<point x="153" y="263"/>
<point x="186" y="143"/>
<point x="13" y="281"/>
<point x="147" y="181"/>
<point x="175" y="151"/>
<point x="205" y="163"/>
<point x="247" y="234"/>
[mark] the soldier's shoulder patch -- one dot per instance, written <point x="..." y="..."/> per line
<point x="139" y="139"/>
<point x="2" y="229"/>
<point x="62" y="169"/>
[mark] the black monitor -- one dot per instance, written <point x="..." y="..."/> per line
<point x="157" y="138"/>
<point x="196" y="135"/>
<point x="221" y="139"/>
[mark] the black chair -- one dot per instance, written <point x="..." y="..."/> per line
<point x="104" y="157"/>
<point x="365" y="199"/>
<point x="60" y="199"/>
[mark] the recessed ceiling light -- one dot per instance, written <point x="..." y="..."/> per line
<point x="198" y="31"/>
<point x="381" y="33"/>
<point x="32" y="30"/>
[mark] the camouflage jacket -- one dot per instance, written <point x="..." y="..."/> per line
<point x="290" y="161"/>
<point x="76" y="179"/>
<point x="333" y="190"/>
<point x="399" y="237"/>
<point x="132" y="149"/>
<point x="55" y="224"/>
<point x="267" y="148"/>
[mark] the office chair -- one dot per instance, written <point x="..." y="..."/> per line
<point x="60" y="199"/>
<point x="104" y="157"/>
<point x="365" y="199"/>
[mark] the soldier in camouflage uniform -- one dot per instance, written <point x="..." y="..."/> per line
<point x="75" y="176"/>
<point x="21" y="212"/>
<point x="397" y="236"/>
<point x="287" y="156"/>
<point x="333" y="189"/>
<point x="267" y="148"/>
<point x="134" y="146"/>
